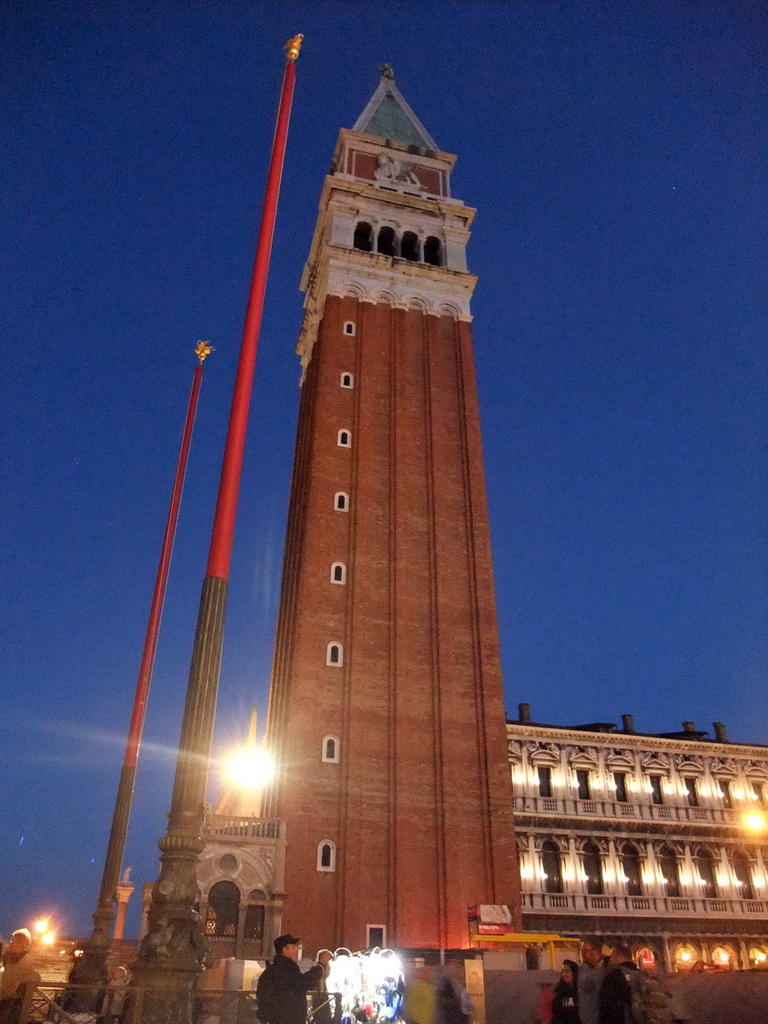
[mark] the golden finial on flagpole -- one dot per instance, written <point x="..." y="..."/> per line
<point x="204" y="348"/>
<point x="292" y="47"/>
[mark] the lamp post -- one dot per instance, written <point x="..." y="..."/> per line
<point x="172" y="952"/>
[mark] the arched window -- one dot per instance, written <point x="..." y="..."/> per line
<point x="593" y="869"/>
<point x="363" y="237"/>
<point x="344" y="439"/>
<point x="326" y="855"/>
<point x="743" y="876"/>
<point x="552" y="864"/>
<point x="386" y="243"/>
<point x="349" y="328"/>
<point x="706" y="867"/>
<point x="341" y="502"/>
<point x="338" y="573"/>
<point x="667" y="859"/>
<point x="630" y="862"/>
<point x="347" y="380"/>
<point x="330" y="753"/>
<point x="223" y="909"/>
<point x="409" y="247"/>
<point x="334" y="654"/>
<point x="433" y="252"/>
<point x="254" y="916"/>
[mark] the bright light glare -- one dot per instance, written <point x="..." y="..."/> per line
<point x="48" y="938"/>
<point x="41" y="925"/>
<point x="250" y="769"/>
<point x="755" y="821"/>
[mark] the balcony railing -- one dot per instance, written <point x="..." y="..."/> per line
<point x="244" y="828"/>
<point x="673" y="906"/>
<point x="613" y="809"/>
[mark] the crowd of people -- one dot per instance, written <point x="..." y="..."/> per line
<point x="607" y="990"/>
<point x="427" y="995"/>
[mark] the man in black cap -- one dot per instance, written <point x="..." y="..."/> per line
<point x="281" y="992"/>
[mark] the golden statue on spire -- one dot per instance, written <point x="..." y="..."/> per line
<point x="292" y="47"/>
<point x="204" y="348"/>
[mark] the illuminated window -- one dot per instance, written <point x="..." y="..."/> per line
<point x="630" y="863"/>
<point x="743" y="876"/>
<point x="667" y="859"/>
<point x="552" y="864"/>
<point x="341" y="502"/>
<point x="706" y="868"/>
<point x="545" y="782"/>
<point x="338" y="573"/>
<point x="326" y="855"/>
<point x="344" y="439"/>
<point x="331" y="750"/>
<point x="350" y="328"/>
<point x="593" y="869"/>
<point x="223" y="909"/>
<point x="758" y="792"/>
<point x="657" y="796"/>
<point x="725" y="793"/>
<point x="334" y="655"/>
<point x="582" y="784"/>
<point x="620" y="778"/>
<point x="691" y="792"/>
<point x="347" y="380"/>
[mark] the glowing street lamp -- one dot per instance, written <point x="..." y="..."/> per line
<point x="41" y="925"/>
<point x="755" y="821"/>
<point x="48" y="938"/>
<point x="250" y="768"/>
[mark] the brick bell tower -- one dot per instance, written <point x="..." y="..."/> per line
<point x="386" y="711"/>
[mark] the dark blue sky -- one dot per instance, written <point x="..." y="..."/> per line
<point x="616" y="154"/>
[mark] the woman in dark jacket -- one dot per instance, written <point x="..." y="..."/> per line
<point x="565" y="1008"/>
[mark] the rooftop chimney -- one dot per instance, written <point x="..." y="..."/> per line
<point x="689" y="727"/>
<point x="524" y="713"/>
<point x="720" y="734"/>
<point x="628" y="723"/>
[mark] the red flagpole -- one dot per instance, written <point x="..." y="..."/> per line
<point x="97" y="947"/>
<point x="172" y="952"/>
<point x="229" y="486"/>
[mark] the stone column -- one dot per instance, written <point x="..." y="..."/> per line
<point x="124" y="893"/>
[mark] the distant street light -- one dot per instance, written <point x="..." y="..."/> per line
<point x="41" y="925"/>
<point x="48" y="938"/>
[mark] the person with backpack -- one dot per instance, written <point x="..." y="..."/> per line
<point x="281" y="991"/>
<point x="615" y="992"/>
<point x="631" y="996"/>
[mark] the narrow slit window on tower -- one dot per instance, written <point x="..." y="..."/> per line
<point x="347" y="380"/>
<point x="326" y="855"/>
<point x="334" y="654"/>
<point x="433" y="252"/>
<point x="409" y="247"/>
<point x="338" y="573"/>
<point x="375" y="935"/>
<point x="363" y="237"/>
<point x="344" y="439"/>
<point x="350" y="328"/>
<point x="330" y="754"/>
<point x="341" y="502"/>
<point x="387" y="243"/>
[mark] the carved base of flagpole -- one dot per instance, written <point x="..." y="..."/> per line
<point x="171" y="954"/>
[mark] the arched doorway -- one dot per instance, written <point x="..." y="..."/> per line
<point x="223" y="910"/>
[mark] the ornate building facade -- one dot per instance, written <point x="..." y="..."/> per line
<point x="386" y="712"/>
<point x="659" y="840"/>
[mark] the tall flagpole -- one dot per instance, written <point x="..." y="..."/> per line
<point x="96" y="950"/>
<point x="172" y="951"/>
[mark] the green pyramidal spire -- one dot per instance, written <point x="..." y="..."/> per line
<point x="388" y="116"/>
